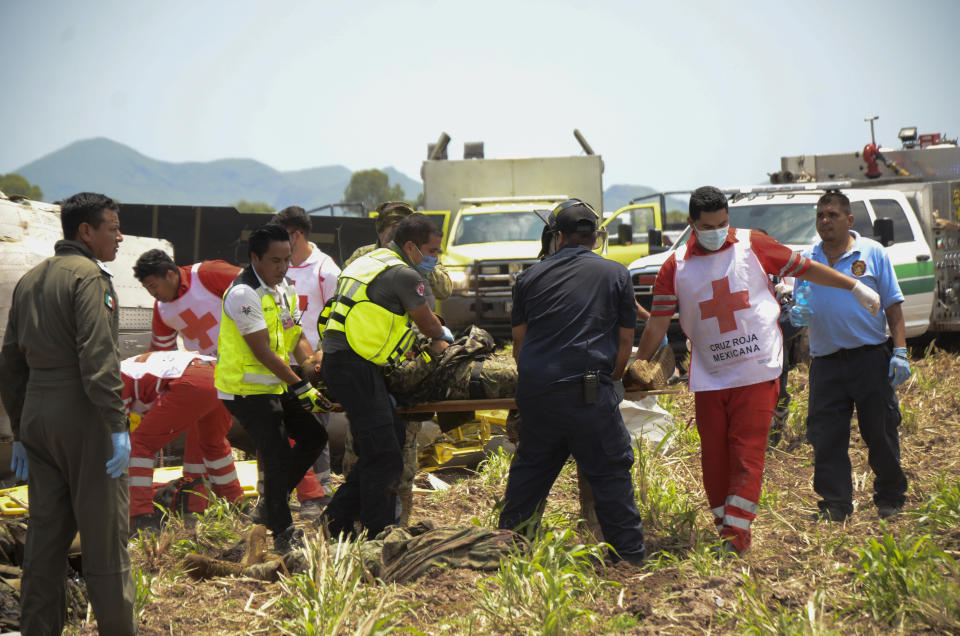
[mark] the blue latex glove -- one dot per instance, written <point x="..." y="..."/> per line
<point x="799" y="316"/>
<point x="665" y="341"/>
<point x="18" y="461"/>
<point x="447" y="335"/>
<point x="899" y="367"/>
<point x="121" y="454"/>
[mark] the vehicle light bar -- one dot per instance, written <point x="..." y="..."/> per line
<point x="548" y="197"/>
<point x="789" y="187"/>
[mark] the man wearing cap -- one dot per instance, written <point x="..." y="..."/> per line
<point x="366" y="326"/>
<point x="574" y="316"/>
<point x="389" y="214"/>
<point x="719" y="282"/>
<point x="437" y="287"/>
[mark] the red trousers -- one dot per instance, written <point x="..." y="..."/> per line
<point x="190" y="403"/>
<point x="733" y="425"/>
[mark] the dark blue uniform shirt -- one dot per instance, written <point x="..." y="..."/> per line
<point x="573" y="303"/>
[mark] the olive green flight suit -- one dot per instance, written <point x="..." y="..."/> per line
<point x="60" y="383"/>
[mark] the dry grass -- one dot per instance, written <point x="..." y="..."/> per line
<point x="799" y="577"/>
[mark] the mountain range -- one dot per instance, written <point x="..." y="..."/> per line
<point x="104" y="165"/>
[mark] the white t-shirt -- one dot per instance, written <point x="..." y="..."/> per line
<point x="243" y="306"/>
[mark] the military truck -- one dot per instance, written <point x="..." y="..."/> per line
<point x="488" y="211"/>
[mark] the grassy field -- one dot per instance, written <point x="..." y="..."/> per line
<point x="801" y="577"/>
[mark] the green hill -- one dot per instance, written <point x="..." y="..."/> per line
<point x="102" y="165"/>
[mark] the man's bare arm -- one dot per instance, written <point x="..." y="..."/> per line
<point x="623" y="352"/>
<point x="898" y="330"/>
<point x="652" y="336"/>
<point x="519" y="333"/>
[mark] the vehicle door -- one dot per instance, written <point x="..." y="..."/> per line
<point x="627" y="229"/>
<point x="911" y="258"/>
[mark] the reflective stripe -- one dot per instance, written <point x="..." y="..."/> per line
<point x="736" y="522"/>
<point x="743" y="504"/>
<point x="140" y="481"/>
<point x="141" y="462"/>
<point x="790" y="263"/>
<point x="259" y="378"/>
<point x="351" y="289"/>
<point x="194" y="468"/>
<point x="219" y="480"/>
<point x="670" y="299"/>
<point x="223" y="462"/>
<point x="717" y="512"/>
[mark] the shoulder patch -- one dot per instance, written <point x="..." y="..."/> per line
<point x="858" y="268"/>
<point x="420" y="288"/>
<point x="109" y="301"/>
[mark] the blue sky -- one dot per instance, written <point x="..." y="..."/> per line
<point x="672" y="94"/>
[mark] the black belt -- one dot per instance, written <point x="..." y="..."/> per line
<point x="846" y="354"/>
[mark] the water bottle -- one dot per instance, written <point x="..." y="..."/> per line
<point x="801" y="312"/>
<point x="801" y="293"/>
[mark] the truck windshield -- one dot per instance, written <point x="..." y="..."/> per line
<point x="498" y="226"/>
<point x="792" y="223"/>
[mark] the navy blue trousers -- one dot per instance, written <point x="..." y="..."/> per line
<point x="369" y="495"/>
<point x="838" y="382"/>
<point x="557" y="425"/>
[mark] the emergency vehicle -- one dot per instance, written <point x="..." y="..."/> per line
<point x="911" y="205"/>
<point x="490" y="213"/>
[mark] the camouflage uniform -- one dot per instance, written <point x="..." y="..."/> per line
<point x="60" y="383"/>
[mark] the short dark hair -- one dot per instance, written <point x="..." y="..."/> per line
<point x="417" y="228"/>
<point x="293" y="218"/>
<point x="837" y="197"/>
<point x="586" y="239"/>
<point x="706" y="199"/>
<point x="261" y="238"/>
<point x="153" y="263"/>
<point x="84" y="207"/>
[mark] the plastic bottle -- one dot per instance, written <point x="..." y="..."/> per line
<point x="801" y="311"/>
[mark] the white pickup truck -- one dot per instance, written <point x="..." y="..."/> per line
<point x="925" y="249"/>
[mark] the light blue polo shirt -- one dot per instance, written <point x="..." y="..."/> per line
<point x="839" y="321"/>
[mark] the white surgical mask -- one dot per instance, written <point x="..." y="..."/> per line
<point x="712" y="240"/>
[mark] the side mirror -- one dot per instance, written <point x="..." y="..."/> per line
<point x="655" y="241"/>
<point x="624" y="234"/>
<point x="883" y="231"/>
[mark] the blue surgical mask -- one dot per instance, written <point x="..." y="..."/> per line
<point x="712" y="240"/>
<point x="426" y="265"/>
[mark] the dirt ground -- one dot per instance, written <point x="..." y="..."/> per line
<point x="796" y="565"/>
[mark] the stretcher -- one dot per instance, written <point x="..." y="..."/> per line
<point x="492" y="404"/>
<point x="467" y="444"/>
<point x="15" y="501"/>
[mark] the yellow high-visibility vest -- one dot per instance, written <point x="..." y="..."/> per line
<point x="373" y="332"/>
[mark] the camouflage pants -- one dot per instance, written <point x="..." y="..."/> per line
<point x="410" y="466"/>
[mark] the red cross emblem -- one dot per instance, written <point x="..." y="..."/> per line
<point x="303" y="301"/>
<point x="196" y="328"/>
<point x="723" y="305"/>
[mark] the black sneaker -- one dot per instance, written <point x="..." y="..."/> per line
<point x="723" y="549"/>
<point x="258" y="515"/>
<point x="290" y="539"/>
<point x="776" y="426"/>
<point x="312" y="508"/>
<point x="886" y="511"/>
<point x="830" y="514"/>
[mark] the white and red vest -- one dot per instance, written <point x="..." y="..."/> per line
<point x="315" y="280"/>
<point x="145" y="376"/>
<point x="195" y="314"/>
<point x="729" y="312"/>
